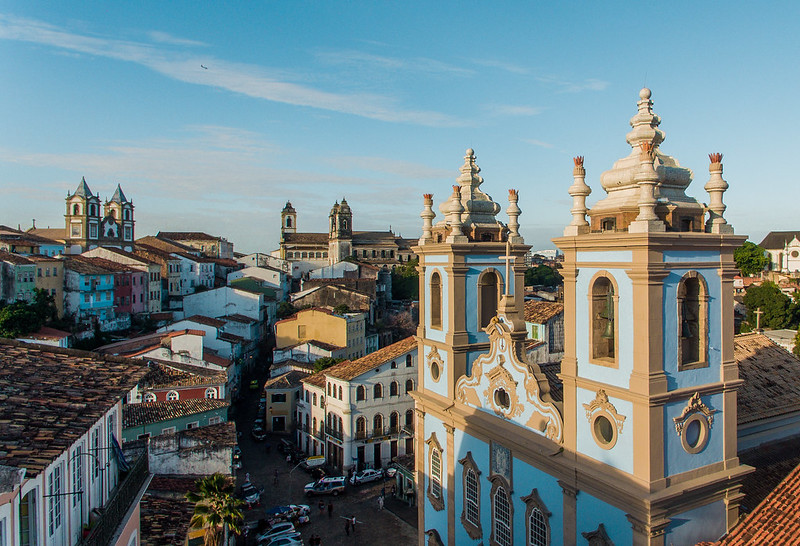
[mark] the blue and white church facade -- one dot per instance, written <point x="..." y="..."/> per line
<point x="642" y="447"/>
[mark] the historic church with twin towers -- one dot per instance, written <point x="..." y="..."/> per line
<point x="638" y="444"/>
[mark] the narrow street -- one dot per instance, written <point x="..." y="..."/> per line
<point x="262" y="459"/>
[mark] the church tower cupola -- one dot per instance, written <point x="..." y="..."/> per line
<point x="288" y="219"/>
<point x="340" y="243"/>
<point x="471" y="265"/>
<point x="648" y="347"/>
<point x="646" y="189"/>
<point x="82" y="218"/>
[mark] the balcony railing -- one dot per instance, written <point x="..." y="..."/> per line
<point x="335" y="433"/>
<point x="119" y="504"/>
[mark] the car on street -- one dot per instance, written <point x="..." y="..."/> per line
<point x="390" y="472"/>
<point x="332" y="485"/>
<point x="250" y="494"/>
<point x="277" y="530"/>
<point x="366" y="476"/>
<point x="258" y="434"/>
<point x="254" y="384"/>
<point x="287" y="540"/>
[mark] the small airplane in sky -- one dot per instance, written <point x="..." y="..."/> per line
<point x="204" y="67"/>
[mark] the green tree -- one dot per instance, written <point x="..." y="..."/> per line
<point x="21" y="318"/>
<point x="405" y="281"/>
<point x="216" y="509"/>
<point x="543" y="275"/>
<point x="341" y="309"/>
<point x="325" y="362"/>
<point x="796" y="349"/>
<point x="750" y="258"/>
<point x="780" y="311"/>
<point x="285" y="310"/>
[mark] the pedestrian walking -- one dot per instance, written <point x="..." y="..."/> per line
<point x="347" y="526"/>
<point x="380" y="502"/>
<point x="354" y="525"/>
<point x="330" y="509"/>
<point x="247" y="477"/>
<point x="394" y="491"/>
<point x="321" y="506"/>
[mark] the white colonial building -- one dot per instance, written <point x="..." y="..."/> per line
<point x="361" y="411"/>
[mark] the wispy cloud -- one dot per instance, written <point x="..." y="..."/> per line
<point x="539" y="143"/>
<point x="513" y="110"/>
<point x="251" y="80"/>
<point x="368" y="60"/>
<point x="502" y="65"/>
<point x="165" y="38"/>
<point x="566" y="86"/>
<point x="393" y="167"/>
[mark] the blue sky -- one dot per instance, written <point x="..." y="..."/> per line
<point x="377" y="101"/>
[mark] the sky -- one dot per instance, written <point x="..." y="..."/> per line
<point x="377" y="102"/>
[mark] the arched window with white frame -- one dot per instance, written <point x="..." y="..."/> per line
<point x="211" y="393"/>
<point x="537" y="520"/>
<point x="471" y="502"/>
<point x="149" y="397"/>
<point x="173" y="396"/>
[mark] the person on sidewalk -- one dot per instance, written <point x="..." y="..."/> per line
<point x="347" y="526"/>
<point x="380" y="502"/>
<point x="330" y="509"/>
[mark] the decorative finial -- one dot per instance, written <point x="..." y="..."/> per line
<point x="645" y="123"/>
<point x="427" y="215"/>
<point x="647" y="180"/>
<point x="645" y="93"/>
<point x="715" y="187"/>
<point x="454" y="216"/>
<point x="579" y="192"/>
<point x="513" y="212"/>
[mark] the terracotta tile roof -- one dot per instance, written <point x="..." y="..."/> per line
<point x="240" y="318"/>
<point x="219" y="435"/>
<point x="778" y="239"/>
<point x="45" y="332"/>
<point x="164" y="375"/>
<point x="50" y="397"/>
<point x="289" y="380"/>
<point x="539" y="312"/>
<point x="39" y="258"/>
<point x="186" y="236"/>
<point x="107" y="264"/>
<point x="12" y="258"/>
<point x="208" y="321"/>
<point x="771" y="378"/>
<point x="164" y="521"/>
<point x="135" y="415"/>
<point x="231" y="337"/>
<point x="166" y="245"/>
<point x="170" y="483"/>
<point x="142" y="344"/>
<point x="129" y="255"/>
<point x="54" y="234"/>
<point x="316" y="379"/>
<point x="772" y="463"/>
<point x="774" y="521"/>
<point x="551" y="371"/>
<point x="213" y="358"/>
<point x="305" y="238"/>
<point x="86" y="266"/>
<point x="348" y="369"/>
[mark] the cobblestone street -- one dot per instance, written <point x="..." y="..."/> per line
<point x="395" y="525"/>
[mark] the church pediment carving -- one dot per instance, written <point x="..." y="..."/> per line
<point x="501" y="382"/>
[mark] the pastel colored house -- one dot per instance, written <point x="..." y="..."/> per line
<point x="155" y="418"/>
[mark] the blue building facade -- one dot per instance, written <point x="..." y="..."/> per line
<point x="642" y="447"/>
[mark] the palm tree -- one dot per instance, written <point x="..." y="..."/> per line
<point x="216" y="509"/>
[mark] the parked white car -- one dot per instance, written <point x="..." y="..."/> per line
<point x="366" y="476"/>
<point x="276" y="531"/>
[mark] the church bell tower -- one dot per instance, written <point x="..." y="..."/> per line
<point x="648" y="372"/>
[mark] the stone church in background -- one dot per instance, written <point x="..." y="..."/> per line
<point x="315" y="250"/>
<point x="90" y="223"/>
<point x="641" y="448"/>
